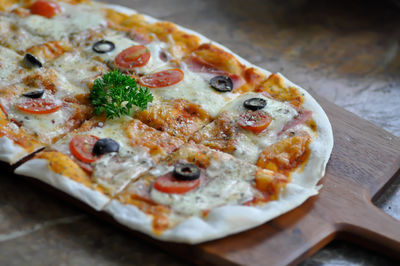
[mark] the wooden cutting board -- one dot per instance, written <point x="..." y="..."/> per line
<point x="365" y="158"/>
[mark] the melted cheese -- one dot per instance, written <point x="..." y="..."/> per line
<point x="73" y="19"/>
<point x="65" y="88"/>
<point x="280" y="112"/>
<point x="114" y="170"/>
<point x="245" y="149"/>
<point x="10" y="66"/>
<point x="46" y="126"/>
<point x="114" y="129"/>
<point x="15" y="37"/>
<point x="78" y="69"/>
<point x="195" y="88"/>
<point x="122" y="42"/>
<point x="227" y="183"/>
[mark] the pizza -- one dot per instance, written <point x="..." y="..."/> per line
<point x="170" y="133"/>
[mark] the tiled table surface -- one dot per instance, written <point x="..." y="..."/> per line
<point x="346" y="51"/>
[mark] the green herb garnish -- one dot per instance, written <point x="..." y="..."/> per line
<point x="115" y="94"/>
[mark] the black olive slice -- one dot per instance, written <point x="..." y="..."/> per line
<point x="186" y="171"/>
<point x="103" y="46"/>
<point x="221" y="83"/>
<point x="34" y="94"/>
<point x="105" y="145"/>
<point x="255" y="104"/>
<point x="31" y="61"/>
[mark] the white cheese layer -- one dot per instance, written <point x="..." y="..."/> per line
<point x="122" y="42"/>
<point x="280" y="112"/>
<point x="10" y="66"/>
<point x="45" y="126"/>
<point x="73" y="19"/>
<point x="78" y="69"/>
<point x="15" y="37"/>
<point x="113" y="129"/>
<point x="114" y="170"/>
<point x="246" y="149"/>
<point x="65" y="88"/>
<point x="195" y="88"/>
<point x="227" y="183"/>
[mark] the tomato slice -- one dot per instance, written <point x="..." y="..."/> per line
<point x="81" y="147"/>
<point x="169" y="184"/>
<point x="255" y="121"/>
<point x="45" y="8"/>
<point x="162" y="79"/>
<point x="38" y="106"/>
<point x="134" y="56"/>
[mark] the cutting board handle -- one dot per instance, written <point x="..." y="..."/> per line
<point x="371" y="227"/>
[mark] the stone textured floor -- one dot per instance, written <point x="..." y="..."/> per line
<point x="346" y="51"/>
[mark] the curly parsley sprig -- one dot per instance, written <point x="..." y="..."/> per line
<point x="115" y="94"/>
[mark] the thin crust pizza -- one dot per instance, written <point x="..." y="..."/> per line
<point x="170" y="133"/>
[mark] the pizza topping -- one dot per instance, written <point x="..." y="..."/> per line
<point x="115" y="94"/>
<point x="255" y="121"/>
<point x="114" y="170"/>
<point x="198" y="65"/>
<point x="31" y="61"/>
<point x="225" y="181"/>
<point x="103" y="46"/>
<point x="38" y="106"/>
<point x="81" y="146"/>
<point x="138" y="37"/>
<point x="45" y="8"/>
<point x="186" y="172"/>
<point x="302" y="117"/>
<point x="169" y="184"/>
<point x="105" y="145"/>
<point x="34" y="94"/>
<point x="275" y="87"/>
<point x="255" y="104"/>
<point x="163" y="56"/>
<point x="162" y="79"/>
<point x="287" y="154"/>
<point x="134" y="56"/>
<point x="221" y="83"/>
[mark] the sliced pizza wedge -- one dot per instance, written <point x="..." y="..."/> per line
<point x="96" y="161"/>
<point x="196" y="194"/>
<point x="43" y="105"/>
<point x="179" y="117"/>
<point x="261" y="130"/>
